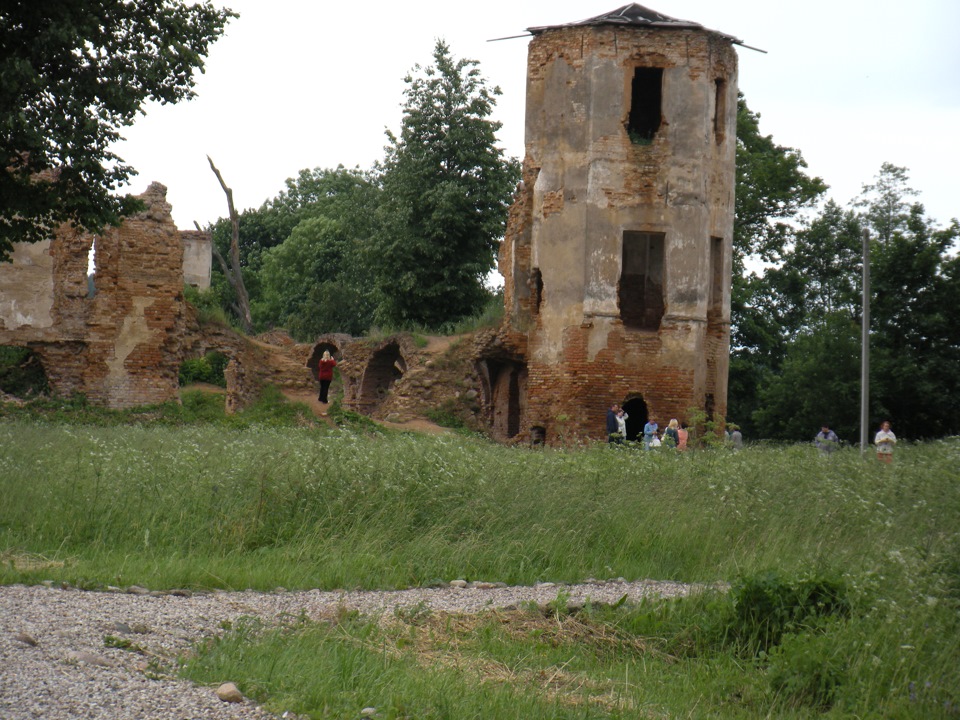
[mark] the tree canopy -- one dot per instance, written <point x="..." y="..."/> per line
<point x="71" y="76"/>
<point x="446" y="191"/>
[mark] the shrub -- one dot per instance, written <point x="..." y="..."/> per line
<point x="766" y="607"/>
<point x="206" y="369"/>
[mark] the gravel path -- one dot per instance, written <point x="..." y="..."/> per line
<point x="54" y="663"/>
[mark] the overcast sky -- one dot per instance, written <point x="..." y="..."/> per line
<point x="299" y="84"/>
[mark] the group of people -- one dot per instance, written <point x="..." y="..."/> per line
<point x="673" y="436"/>
<point x="826" y="441"/>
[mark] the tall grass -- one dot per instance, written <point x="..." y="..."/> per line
<point x="307" y="507"/>
<point x="267" y="504"/>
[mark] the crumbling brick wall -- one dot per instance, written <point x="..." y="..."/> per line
<point x="122" y="344"/>
<point x="588" y="187"/>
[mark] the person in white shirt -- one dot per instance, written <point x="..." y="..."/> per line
<point x="885" y="440"/>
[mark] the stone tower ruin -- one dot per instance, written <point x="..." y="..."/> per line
<point x="617" y="252"/>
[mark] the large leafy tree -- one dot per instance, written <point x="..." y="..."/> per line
<point x="814" y="296"/>
<point x="772" y="188"/>
<point x="447" y="187"/>
<point x="72" y="74"/>
<point x="915" y="310"/>
<point x="316" y="280"/>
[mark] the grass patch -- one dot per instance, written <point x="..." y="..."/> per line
<point x="845" y="573"/>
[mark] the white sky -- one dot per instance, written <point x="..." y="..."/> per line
<point x="299" y="84"/>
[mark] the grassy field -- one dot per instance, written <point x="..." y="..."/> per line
<point x="845" y="572"/>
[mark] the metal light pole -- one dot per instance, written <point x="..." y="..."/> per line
<point x="865" y="347"/>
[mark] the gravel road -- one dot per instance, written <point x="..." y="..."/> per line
<point x="55" y="665"/>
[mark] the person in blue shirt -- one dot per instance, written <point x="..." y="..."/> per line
<point x="649" y="432"/>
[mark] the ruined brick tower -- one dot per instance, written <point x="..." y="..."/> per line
<point x="617" y="253"/>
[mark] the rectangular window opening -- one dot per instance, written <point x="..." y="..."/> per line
<point x="640" y="292"/>
<point x="715" y="309"/>
<point x="646" y="95"/>
<point x="719" y="109"/>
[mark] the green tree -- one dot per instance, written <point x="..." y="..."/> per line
<point x="915" y="311"/>
<point x="772" y="188"/>
<point x="72" y="75"/>
<point x="915" y="328"/>
<point x="818" y="382"/>
<point x="447" y="188"/>
<point x="820" y="274"/>
<point x="310" y="263"/>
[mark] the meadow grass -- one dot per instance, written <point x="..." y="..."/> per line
<point x="267" y="504"/>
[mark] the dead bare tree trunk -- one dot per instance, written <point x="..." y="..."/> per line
<point x="242" y="304"/>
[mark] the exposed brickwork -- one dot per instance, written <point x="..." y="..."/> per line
<point x="586" y="183"/>
<point x="123" y="346"/>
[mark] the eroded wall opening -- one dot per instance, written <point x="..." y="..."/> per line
<point x="92" y="269"/>
<point x="640" y="290"/>
<point x="385" y="367"/>
<point x="637" y="416"/>
<point x="22" y="374"/>
<point x="314" y="362"/>
<point x="715" y="307"/>
<point x="536" y="289"/>
<point x="719" y="109"/>
<point x="508" y="385"/>
<point x="646" y="100"/>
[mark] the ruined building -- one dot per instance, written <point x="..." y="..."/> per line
<point x="618" y="247"/>
<point x="119" y="338"/>
<point x="616" y="262"/>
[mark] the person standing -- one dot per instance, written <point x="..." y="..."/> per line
<point x="621" y="425"/>
<point x="613" y="426"/>
<point x="649" y="433"/>
<point x="671" y="436"/>
<point x="683" y="434"/>
<point x="885" y="440"/>
<point x="736" y="437"/>
<point x="325" y="374"/>
<point x="826" y="440"/>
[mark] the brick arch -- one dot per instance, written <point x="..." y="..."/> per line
<point x="318" y="350"/>
<point x="638" y="414"/>
<point x="385" y="367"/>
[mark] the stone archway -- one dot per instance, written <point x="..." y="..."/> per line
<point x="384" y="368"/>
<point x="318" y="350"/>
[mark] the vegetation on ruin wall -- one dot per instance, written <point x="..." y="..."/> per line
<point x="845" y="571"/>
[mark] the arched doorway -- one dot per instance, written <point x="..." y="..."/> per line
<point x="317" y="353"/>
<point x="636" y="410"/>
<point x="386" y="366"/>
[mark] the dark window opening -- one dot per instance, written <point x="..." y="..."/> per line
<point x="715" y="309"/>
<point x="646" y="94"/>
<point x="640" y="293"/>
<point x="708" y="406"/>
<point x="637" y="416"/>
<point x="536" y="286"/>
<point x="719" y="109"/>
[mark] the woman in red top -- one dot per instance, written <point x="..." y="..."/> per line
<point x="325" y="373"/>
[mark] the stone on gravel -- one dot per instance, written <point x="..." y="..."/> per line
<point x="228" y="692"/>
